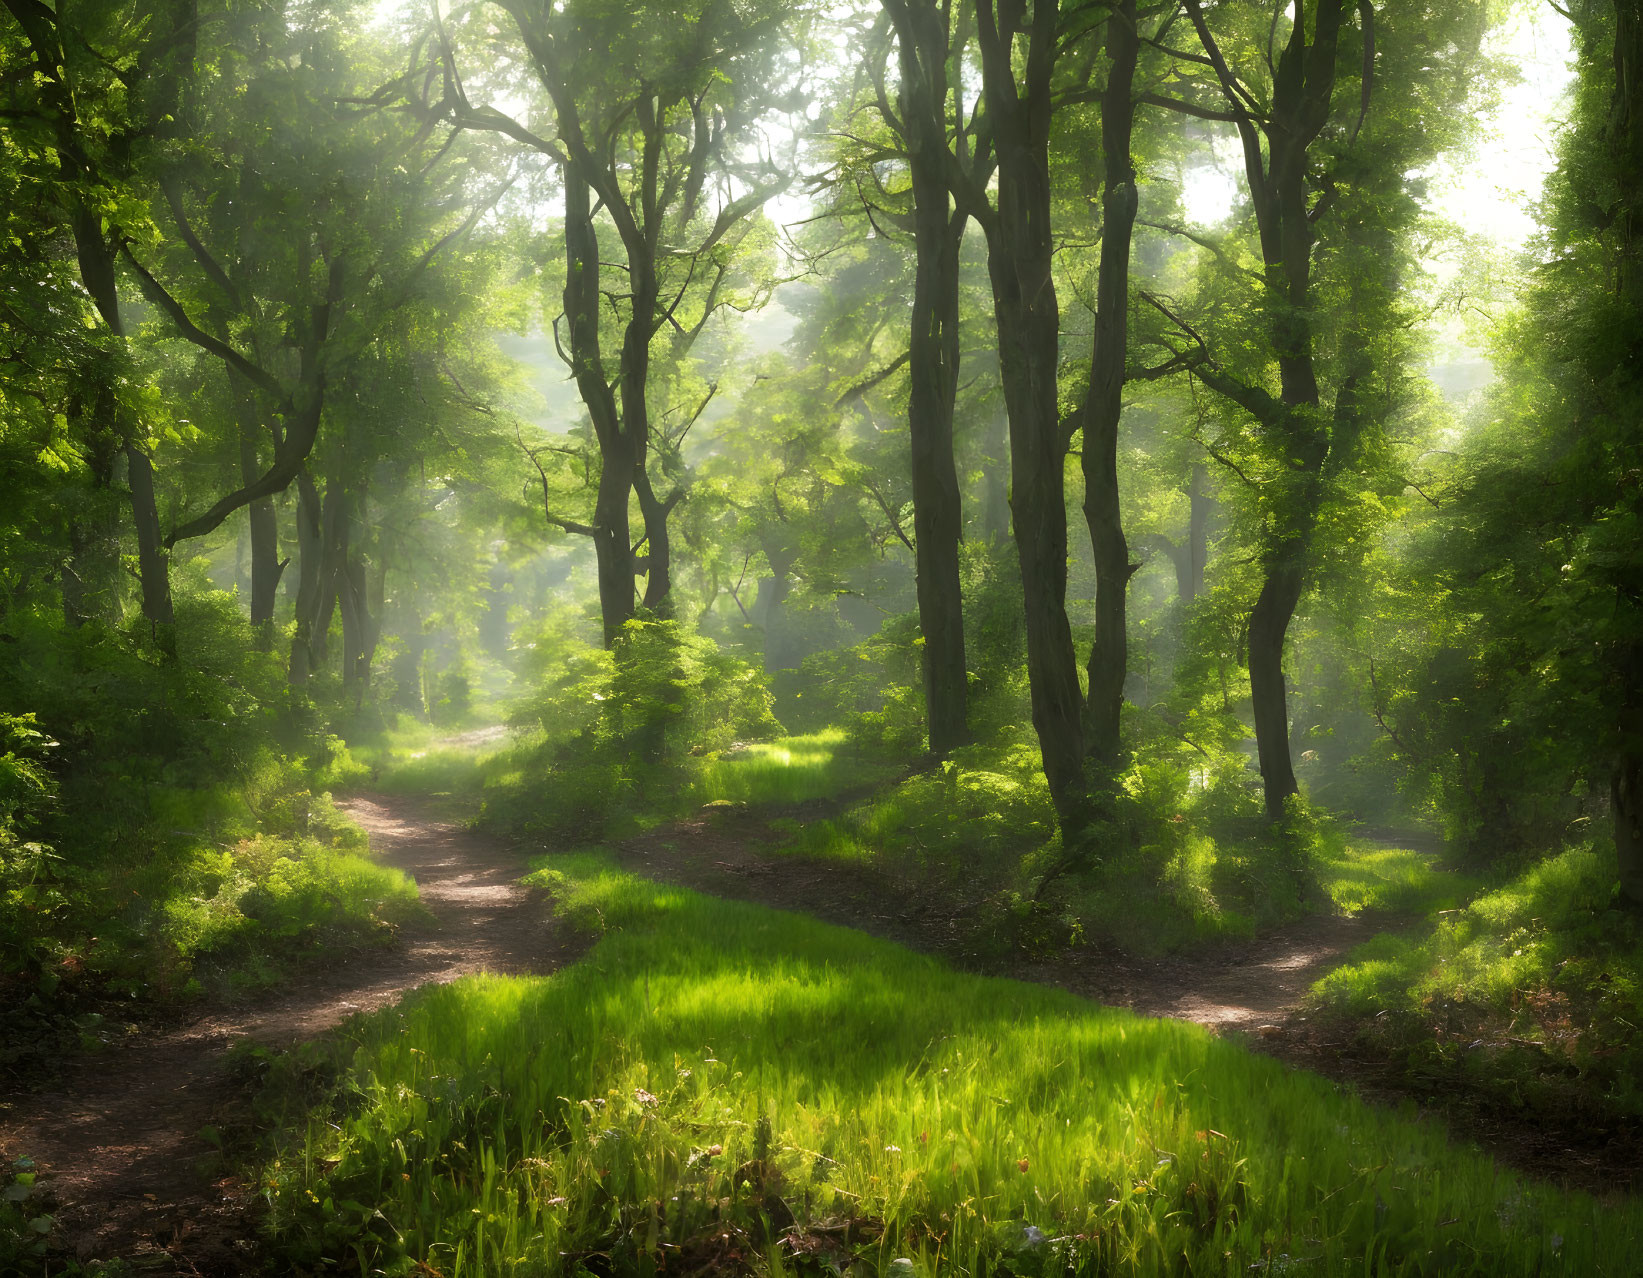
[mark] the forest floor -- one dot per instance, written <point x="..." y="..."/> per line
<point x="120" y="1138"/>
<point x="1250" y="988"/>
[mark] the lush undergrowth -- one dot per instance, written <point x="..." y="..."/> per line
<point x="1193" y="865"/>
<point x="788" y="770"/>
<point x="1191" y="862"/>
<point x="723" y="1088"/>
<point x="164" y="827"/>
<point x="1530" y="996"/>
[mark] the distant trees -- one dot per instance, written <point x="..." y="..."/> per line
<point x="274" y="218"/>
<point x="290" y="255"/>
<point x="656" y="146"/>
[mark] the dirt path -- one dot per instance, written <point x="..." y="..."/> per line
<point x="117" y="1140"/>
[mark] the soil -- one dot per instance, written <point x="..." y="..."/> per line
<point x="127" y="1173"/>
<point x="124" y="1169"/>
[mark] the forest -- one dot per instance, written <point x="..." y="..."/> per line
<point x="821" y="637"/>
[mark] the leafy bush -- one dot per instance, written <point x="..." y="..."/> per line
<point x="873" y="689"/>
<point x="626" y="731"/>
<point x="970" y="821"/>
<point x="818" y="765"/>
<point x="29" y="892"/>
<point x="148" y="803"/>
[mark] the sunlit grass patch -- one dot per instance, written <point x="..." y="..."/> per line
<point x="724" y="1087"/>
<point x="1359" y="875"/>
<point x="242" y="914"/>
<point x="456" y="767"/>
<point x="788" y="770"/>
<point x="822" y="841"/>
<point x="973" y="817"/>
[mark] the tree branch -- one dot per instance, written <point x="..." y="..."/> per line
<point x="156" y="293"/>
<point x="872" y="380"/>
<point x="1183" y="107"/>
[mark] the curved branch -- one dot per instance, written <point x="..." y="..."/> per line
<point x="156" y="293"/>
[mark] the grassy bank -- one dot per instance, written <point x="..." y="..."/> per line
<point x="1529" y="997"/>
<point x="165" y="829"/>
<point x="721" y="1087"/>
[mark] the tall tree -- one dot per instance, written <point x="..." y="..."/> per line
<point x="1018" y="92"/>
<point x="938" y="142"/>
<point x="1321" y="168"/>
<point x="1103" y="406"/>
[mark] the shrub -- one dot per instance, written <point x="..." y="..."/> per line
<point x="626" y="730"/>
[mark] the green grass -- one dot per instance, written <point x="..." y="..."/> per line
<point x="788" y="770"/>
<point x="456" y="770"/>
<point x="1358" y="875"/>
<point x="719" y="1087"/>
<point x="1531" y="994"/>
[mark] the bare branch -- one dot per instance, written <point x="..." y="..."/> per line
<point x="1182" y="107"/>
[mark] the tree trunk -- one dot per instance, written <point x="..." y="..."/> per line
<point x="1109" y="653"/>
<point x="610" y="530"/>
<point x="610" y="542"/>
<point x="922" y="41"/>
<point x="657" y="561"/>
<point x="333" y="566"/>
<point x="354" y="603"/>
<point x="1197" y="534"/>
<point x="261" y="520"/>
<point x="1019" y="258"/>
<point x="995" y="478"/>
<point x="1268" y="623"/>
<point x="311" y="558"/>
<point x="153" y="566"/>
<point x="91" y="577"/>
<point x="770" y="605"/>
<point x="376" y="600"/>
